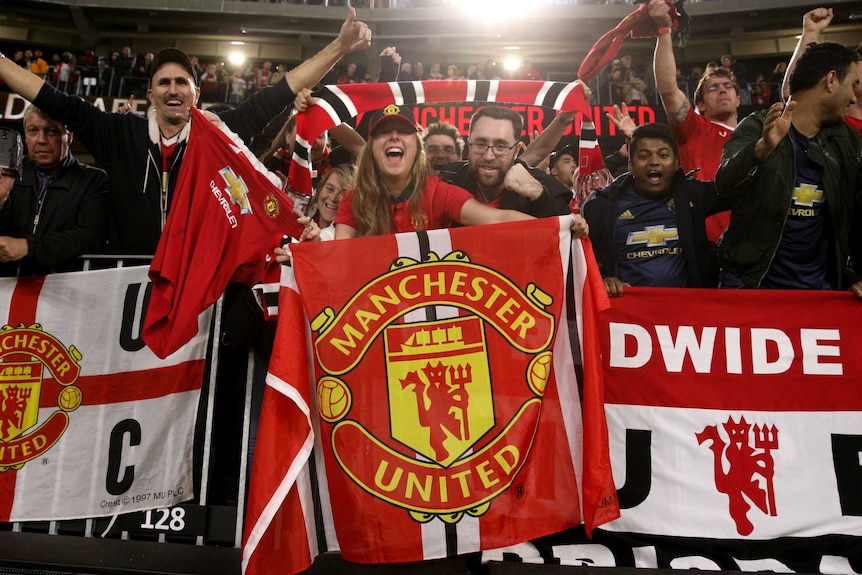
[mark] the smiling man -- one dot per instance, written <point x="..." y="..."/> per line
<point x="142" y="155"/>
<point x="647" y="227"/>
<point x="494" y="174"/>
<point x="55" y="209"/>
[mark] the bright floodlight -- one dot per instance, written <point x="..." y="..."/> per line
<point x="236" y="58"/>
<point x="512" y="63"/>
<point x="496" y="9"/>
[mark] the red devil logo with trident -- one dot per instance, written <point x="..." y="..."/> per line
<point x="739" y="482"/>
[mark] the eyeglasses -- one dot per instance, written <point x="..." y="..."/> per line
<point x="499" y="149"/>
<point x="726" y="85"/>
<point x="434" y="150"/>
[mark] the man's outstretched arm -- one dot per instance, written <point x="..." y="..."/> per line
<point x="675" y="102"/>
<point x="813" y="24"/>
<point x="354" y="36"/>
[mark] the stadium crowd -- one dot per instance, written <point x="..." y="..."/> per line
<point x="705" y="147"/>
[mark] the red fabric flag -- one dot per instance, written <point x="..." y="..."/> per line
<point x="417" y="455"/>
<point x="227" y="213"/>
<point x="638" y="24"/>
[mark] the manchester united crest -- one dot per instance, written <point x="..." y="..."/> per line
<point x="451" y="446"/>
<point x="29" y="356"/>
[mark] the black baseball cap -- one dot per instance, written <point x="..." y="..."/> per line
<point x="393" y="112"/>
<point x="568" y="149"/>
<point x="175" y="55"/>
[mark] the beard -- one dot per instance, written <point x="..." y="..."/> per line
<point x="489" y="179"/>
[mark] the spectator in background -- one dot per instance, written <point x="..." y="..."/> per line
<point x="761" y="94"/>
<point x="18" y="58"/>
<point x="443" y="145"/>
<point x="126" y="63"/>
<point x="209" y="83"/>
<point x="38" y="65"/>
<point x="632" y="88"/>
<point x="238" y="87"/>
<point x="88" y="68"/>
<point x="563" y="164"/>
<point x="196" y="67"/>
<point x="527" y="72"/>
<point x="327" y="197"/>
<point x="349" y="76"/>
<point x="435" y="72"/>
<point x="775" y="81"/>
<point x="63" y="73"/>
<point x="735" y="66"/>
<point x="406" y="74"/>
<point x="700" y="137"/>
<point x="261" y="76"/>
<point x="452" y="72"/>
<point x="105" y="77"/>
<point x="418" y="71"/>
<point x="143" y="67"/>
<point x="615" y="84"/>
<point x="56" y="210"/>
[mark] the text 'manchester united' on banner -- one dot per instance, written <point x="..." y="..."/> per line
<point x="438" y="398"/>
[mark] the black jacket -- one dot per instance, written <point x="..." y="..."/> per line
<point x="761" y="194"/>
<point x="554" y="200"/>
<point x="72" y="219"/>
<point x="693" y="200"/>
<point x="127" y="147"/>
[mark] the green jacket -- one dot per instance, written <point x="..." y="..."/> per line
<point x="761" y="192"/>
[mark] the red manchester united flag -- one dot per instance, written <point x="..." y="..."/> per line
<point x="428" y="406"/>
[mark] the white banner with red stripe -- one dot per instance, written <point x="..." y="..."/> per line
<point x="92" y="423"/>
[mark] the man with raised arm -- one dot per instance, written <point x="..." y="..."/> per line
<point x="142" y="155"/>
<point x="700" y="136"/>
<point x="813" y="24"/>
<point x="793" y="176"/>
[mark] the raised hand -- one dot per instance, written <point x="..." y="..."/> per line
<point x="354" y="35"/>
<point x="775" y="127"/>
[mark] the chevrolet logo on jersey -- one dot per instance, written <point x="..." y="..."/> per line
<point x="653" y="236"/>
<point x="807" y="195"/>
<point x="237" y="189"/>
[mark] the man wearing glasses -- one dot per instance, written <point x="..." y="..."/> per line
<point x="494" y="174"/>
<point x="443" y="145"/>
